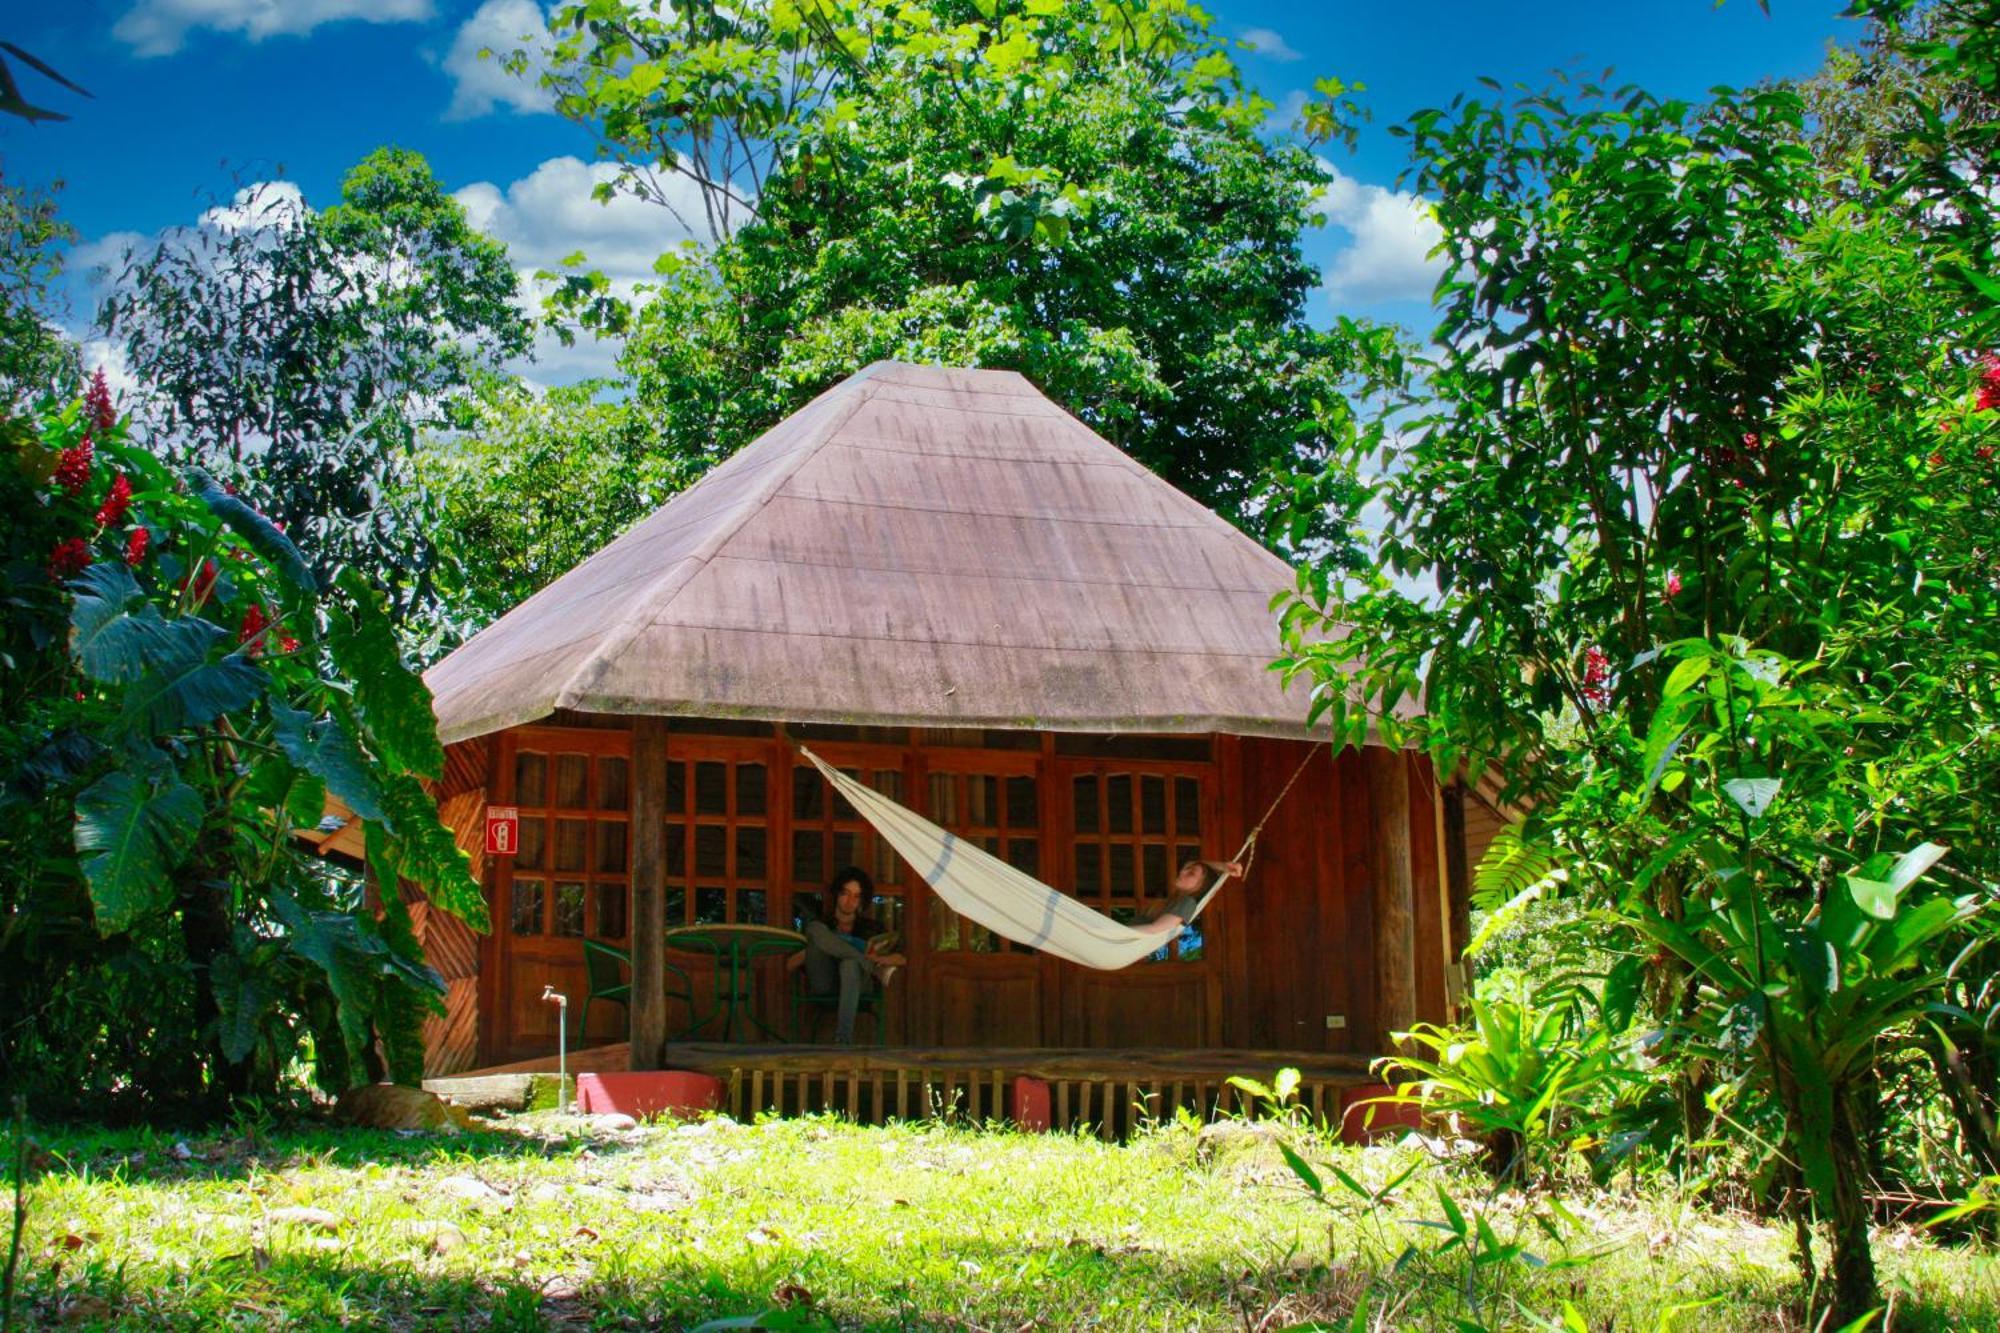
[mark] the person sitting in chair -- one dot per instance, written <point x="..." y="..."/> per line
<point x="842" y="946"/>
<point x="1189" y="887"/>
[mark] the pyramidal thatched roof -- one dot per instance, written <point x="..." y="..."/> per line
<point x="916" y="546"/>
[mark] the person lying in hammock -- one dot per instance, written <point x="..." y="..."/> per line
<point x="1189" y="885"/>
<point x="842" y="945"/>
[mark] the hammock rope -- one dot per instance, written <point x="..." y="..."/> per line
<point x="982" y="888"/>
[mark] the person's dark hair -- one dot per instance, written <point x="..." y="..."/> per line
<point x="830" y="900"/>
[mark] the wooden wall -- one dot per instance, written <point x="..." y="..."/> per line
<point x="451" y="1040"/>
<point x="1286" y="951"/>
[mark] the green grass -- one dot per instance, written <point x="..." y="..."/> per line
<point x="917" y="1226"/>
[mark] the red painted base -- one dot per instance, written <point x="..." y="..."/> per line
<point x="1363" y="1118"/>
<point x="640" y="1094"/>
<point x="1031" y="1104"/>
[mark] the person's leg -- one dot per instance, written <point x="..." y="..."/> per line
<point x="851" y="972"/>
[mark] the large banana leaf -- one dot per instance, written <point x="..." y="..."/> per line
<point x="130" y="838"/>
<point x="184" y="687"/>
<point x="326" y="750"/>
<point x="394" y="704"/>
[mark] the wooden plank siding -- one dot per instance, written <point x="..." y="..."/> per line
<point x="1279" y="956"/>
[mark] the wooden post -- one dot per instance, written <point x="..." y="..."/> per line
<point x="1458" y="883"/>
<point x="649" y="895"/>
<point x="1395" y="892"/>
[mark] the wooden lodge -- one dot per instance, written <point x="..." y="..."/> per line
<point x="943" y="583"/>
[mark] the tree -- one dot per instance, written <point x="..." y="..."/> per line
<point x="1701" y="474"/>
<point x="1080" y="191"/>
<point x="34" y="357"/>
<point x="533" y="485"/>
<point x="181" y="697"/>
<point x="297" y="354"/>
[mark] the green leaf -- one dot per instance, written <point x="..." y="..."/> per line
<point x="262" y="535"/>
<point x="130" y="838"/>
<point x="394" y="704"/>
<point x="425" y="852"/>
<point x="1683" y="677"/>
<point x="242" y="997"/>
<point x="183" y="688"/>
<point x="1302" y="1169"/>
<point x="1878" y="897"/>
<point x="1753" y="796"/>
<point x="326" y="750"/>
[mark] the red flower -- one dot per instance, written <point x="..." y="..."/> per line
<point x="1989" y="385"/>
<point x="1673" y="585"/>
<point x="1937" y="459"/>
<point x="1752" y="440"/>
<point x="1596" y="675"/>
<point x="112" y="511"/>
<point x="73" y="467"/>
<point x="204" y="582"/>
<point x="1984" y="451"/>
<point x="287" y="644"/>
<point x="254" y="623"/>
<point x="97" y="404"/>
<point x="71" y="556"/>
<point x="135" y="545"/>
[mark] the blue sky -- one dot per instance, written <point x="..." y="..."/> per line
<point x="194" y="97"/>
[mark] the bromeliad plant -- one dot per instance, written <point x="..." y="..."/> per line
<point x="1531" y="1076"/>
<point x="183" y="697"/>
<point x="1809" y="970"/>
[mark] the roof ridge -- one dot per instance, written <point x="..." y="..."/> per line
<point x="648" y="607"/>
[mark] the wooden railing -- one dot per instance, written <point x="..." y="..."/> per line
<point x="1106" y="1092"/>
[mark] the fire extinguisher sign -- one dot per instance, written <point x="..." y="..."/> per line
<point x="503" y="830"/>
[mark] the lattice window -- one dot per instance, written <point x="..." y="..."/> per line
<point x="570" y="876"/>
<point x="1133" y="831"/>
<point x="1001" y="813"/>
<point x="829" y="834"/>
<point x="718" y="852"/>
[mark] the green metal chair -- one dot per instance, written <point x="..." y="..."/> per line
<point x="607" y="971"/>
<point x="807" y="1002"/>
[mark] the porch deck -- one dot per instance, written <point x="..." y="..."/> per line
<point x="1104" y="1091"/>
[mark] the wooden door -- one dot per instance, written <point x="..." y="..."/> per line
<point x="1128" y="825"/>
<point x="570" y="879"/>
<point x="979" y="988"/>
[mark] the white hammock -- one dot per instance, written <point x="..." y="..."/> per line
<point x="980" y="886"/>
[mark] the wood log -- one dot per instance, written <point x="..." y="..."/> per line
<point x="1394" y="892"/>
<point x="491" y="1092"/>
<point x="648" y="1008"/>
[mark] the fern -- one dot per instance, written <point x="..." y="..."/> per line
<point x="1513" y="873"/>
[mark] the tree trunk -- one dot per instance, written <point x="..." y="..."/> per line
<point x="1854" y="1288"/>
<point x="206" y="935"/>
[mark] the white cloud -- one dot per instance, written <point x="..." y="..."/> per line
<point x="1270" y="45"/>
<point x="1284" y="116"/>
<point x="158" y="27"/>
<point x="549" y="215"/>
<point x="1391" y="236"/>
<point x="480" y="84"/>
<point x="278" y="205"/>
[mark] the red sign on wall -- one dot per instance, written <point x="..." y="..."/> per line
<point x="503" y="830"/>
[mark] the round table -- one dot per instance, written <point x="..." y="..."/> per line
<point x="735" y="947"/>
